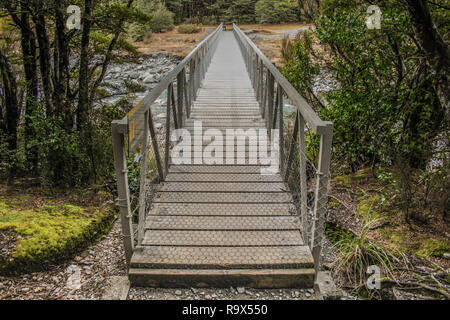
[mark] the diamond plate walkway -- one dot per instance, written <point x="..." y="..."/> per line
<point x="223" y="225"/>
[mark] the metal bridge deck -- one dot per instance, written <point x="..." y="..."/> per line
<point x="221" y="225"/>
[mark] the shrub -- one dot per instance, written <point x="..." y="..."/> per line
<point x="162" y="19"/>
<point x="356" y="253"/>
<point x="281" y="11"/>
<point x="189" y="28"/>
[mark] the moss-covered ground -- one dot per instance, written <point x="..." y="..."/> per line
<point x="377" y="197"/>
<point x="39" y="229"/>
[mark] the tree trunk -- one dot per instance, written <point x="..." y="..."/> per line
<point x="44" y="60"/>
<point x="83" y="95"/>
<point x="61" y="74"/>
<point x="11" y="107"/>
<point x="28" y="42"/>
<point x="434" y="47"/>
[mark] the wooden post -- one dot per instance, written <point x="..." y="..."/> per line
<point x="120" y="164"/>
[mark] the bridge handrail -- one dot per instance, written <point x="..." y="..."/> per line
<point x="270" y="85"/>
<point x="319" y="126"/>
<point x="149" y="99"/>
<point x="138" y="124"/>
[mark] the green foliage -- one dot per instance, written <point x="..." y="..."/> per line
<point x="162" y="19"/>
<point x="240" y="11"/>
<point x="299" y="68"/>
<point x="279" y="11"/>
<point x="381" y="112"/>
<point x="356" y="253"/>
<point x="64" y="157"/>
<point x="47" y="233"/>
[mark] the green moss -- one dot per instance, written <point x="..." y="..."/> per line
<point x="49" y="232"/>
<point x="333" y="203"/>
<point x="433" y="247"/>
<point x="422" y="245"/>
<point x="357" y="177"/>
<point x="370" y="208"/>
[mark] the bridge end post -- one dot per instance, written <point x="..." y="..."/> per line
<point x="321" y="201"/>
<point x="118" y="139"/>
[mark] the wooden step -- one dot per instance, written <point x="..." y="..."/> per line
<point x="222" y="187"/>
<point x="176" y="257"/>
<point x="224" y="209"/>
<point x="207" y="238"/>
<point x="217" y="177"/>
<point x="216" y="223"/>
<point x="222" y="197"/>
<point x="215" y="278"/>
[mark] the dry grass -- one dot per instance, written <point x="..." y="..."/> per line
<point x="172" y="42"/>
<point x="179" y="44"/>
<point x="272" y="27"/>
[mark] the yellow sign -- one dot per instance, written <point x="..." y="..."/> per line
<point x="136" y="127"/>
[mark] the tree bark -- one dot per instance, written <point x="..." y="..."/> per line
<point x="83" y="95"/>
<point x="61" y="75"/>
<point x="44" y="59"/>
<point x="11" y="107"/>
<point x="435" y="49"/>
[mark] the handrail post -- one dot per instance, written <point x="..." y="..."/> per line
<point x="281" y="124"/>
<point x="191" y="83"/>
<point x="303" y="185"/>
<point x="180" y="99"/>
<point x="270" y="89"/>
<point x="167" y="145"/>
<point x="151" y="127"/>
<point x="321" y="201"/>
<point x="120" y="164"/>
<point x="186" y="95"/>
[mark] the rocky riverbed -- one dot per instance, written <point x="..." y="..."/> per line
<point x="146" y="73"/>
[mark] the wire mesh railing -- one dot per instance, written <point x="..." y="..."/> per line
<point x="147" y="137"/>
<point x="306" y="174"/>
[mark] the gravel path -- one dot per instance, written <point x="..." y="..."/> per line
<point x="85" y="277"/>
<point x="231" y="293"/>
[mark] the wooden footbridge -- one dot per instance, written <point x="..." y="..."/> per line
<point x="219" y="220"/>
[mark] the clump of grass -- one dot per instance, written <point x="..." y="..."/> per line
<point x="356" y="253"/>
<point x="189" y="29"/>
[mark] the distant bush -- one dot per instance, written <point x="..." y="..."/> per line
<point x="189" y="28"/>
<point x="280" y="11"/>
<point x="162" y="19"/>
